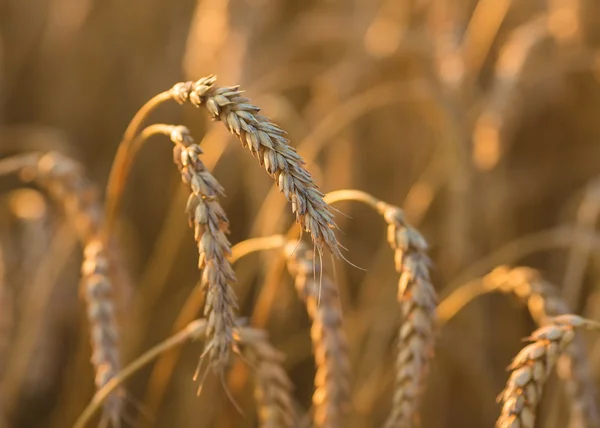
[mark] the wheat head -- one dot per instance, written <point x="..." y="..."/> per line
<point x="331" y="398"/>
<point x="268" y="144"/>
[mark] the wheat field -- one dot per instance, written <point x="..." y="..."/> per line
<point x="294" y="214"/>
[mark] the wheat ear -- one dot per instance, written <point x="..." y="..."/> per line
<point x="267" y="143"/>
<point x="543" y="301"/>
<point x="531" y="368"/>
<point x="273" y="388"/>
<point x="210" y="224"/>
<point x="417" y="299"/>
<point x="319" y="293"/>
<point x="64" y="179"/>
<point x="97" y="289"/>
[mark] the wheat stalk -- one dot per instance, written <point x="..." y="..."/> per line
<point x="531" y="368"/>
<point x="543" y="301"/>
<point x="273" y="388"/>
<point x="332" y="379"/>
<point x="210" y="225"/>
<point x="267" y="143"/>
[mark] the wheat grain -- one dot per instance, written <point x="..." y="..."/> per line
<point x="267" y="143"/>
<point x="210" y="225"/>
<point x="417" y="299"/>
<point x="332" y="379"/>
<point x="531" y="368"/>
<point x="273" y="388"/>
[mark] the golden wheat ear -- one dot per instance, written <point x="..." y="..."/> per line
<point x="532" y="366"/>
<point x="331" y="399"/>
<point x="211" y="225"/>
<point x="266" y="141"/>
<point x="273" y="388"/>
<point x="544" y="301"/>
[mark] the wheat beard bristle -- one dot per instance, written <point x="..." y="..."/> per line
<point x="210" y="227"/>
<point x="96" y="289"/>
<point x="331" y="399"/>
<point x="543" y="301"/>
<point x="417" y="299"/>
<point x="531" y="368"/>
<point x="267" y="143"/>
<point x="273" y="388"/>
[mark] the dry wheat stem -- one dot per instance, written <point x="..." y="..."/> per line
<point x="531" y="368"/>
<point x="273" y="388"/>
<point x="417" y="299"/>
<point x="331" y="398"/>
<point x="193" y="331"/>
<point x="124" y="158"/>
<point x="266" y="141"/>
<point x="210" y="224"/>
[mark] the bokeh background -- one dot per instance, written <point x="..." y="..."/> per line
<point x="480" y="118"/>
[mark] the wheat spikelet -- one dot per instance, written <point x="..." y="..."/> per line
<point x="417" y="299"/>
<point x="96" y="289"/>
<point x="273" y="388"/>
<point x="531" y="368"/>
<point x="210" y="225"/>
<point x="267" y="143"/>
<point x="543" y="301"/>
<point x="332" y="379"/>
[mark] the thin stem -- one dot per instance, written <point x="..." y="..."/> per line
<point x="254" y="245"/>
<point x="193" y="331"/>
<point x="358" y="196"/>
<point x="460" y="298"/>
<point x="124" y="158"/>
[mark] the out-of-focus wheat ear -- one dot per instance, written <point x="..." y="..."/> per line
<point x="65" y="180"/>
<point x="210" y="224"/>
<point x="543" y="301"/>
<point x="267" y="143"/>
<point x="331" y="399"/>
<point x="273" y="388"/>
<point x="532" y="366"/>
<point x="97" y="290"/>
<point x="418" y="300"/>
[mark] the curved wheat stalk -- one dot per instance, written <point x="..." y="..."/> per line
<point x="532" y="366"/>
<point x="331" y="398"/>
<point x="267" y="143"/>
<point x="273" y="388"/>
<point x="210" y="225"/>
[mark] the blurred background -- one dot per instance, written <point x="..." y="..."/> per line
<point x="481" y="119"/>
